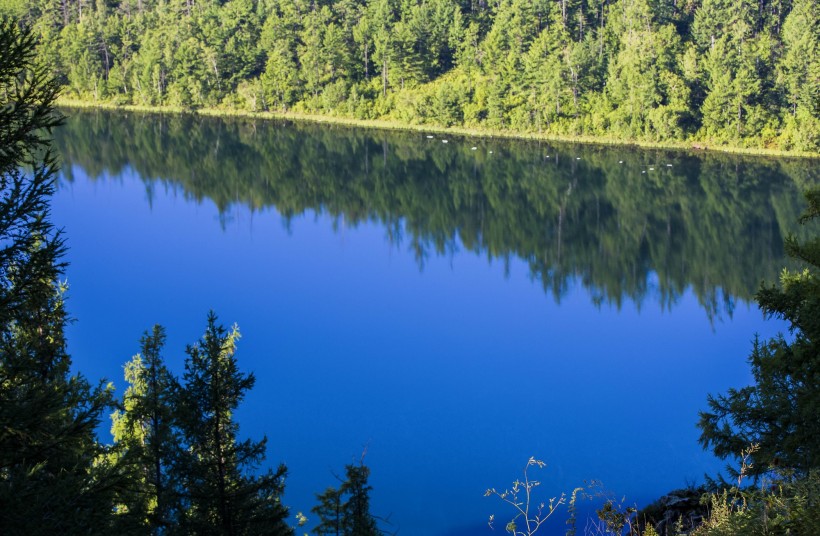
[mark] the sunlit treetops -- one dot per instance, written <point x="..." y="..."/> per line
<point x="718" y="71"/>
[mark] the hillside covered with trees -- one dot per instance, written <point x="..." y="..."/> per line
<point x="733" y="72"/>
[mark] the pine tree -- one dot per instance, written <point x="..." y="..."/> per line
<point x="345" y="511"/>
<point x="147" y="437"/>
<point x="358" y="521"/>
<point x="780" y="412"/>
<point x="221" y="496"/>
<point x="49" y="483"/>
<point x="329" y="512"/>
<point x="800" y="75"/>
<point x="280" y="81"/>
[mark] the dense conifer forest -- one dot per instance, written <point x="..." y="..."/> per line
<point x="707" y="72"/>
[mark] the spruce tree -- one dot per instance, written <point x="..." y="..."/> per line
<point x="780" y="412"/>
<point x="345" y="511"/>
<point x="222" y="496"/>
<point x="49" y="482"/>
<point x="358" y="521"/>
<point x="329" y="512"/>
<point x="148" y="440"/>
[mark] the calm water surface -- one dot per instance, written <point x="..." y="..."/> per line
<point x="451" y="310"/>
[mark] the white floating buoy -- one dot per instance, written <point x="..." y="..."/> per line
<point x="578" y="158"/>
<point x="429" y="137"/>
<point x="548" y="156"/>
<point x="668" y="165"/>
<point x="620" y="161"/>
<point x="443" y="141"/>
<point x="651" y="169"/>
<point x="643" y="171"/>
<point x="491" y="152"/>
<point x="473" y="148"/>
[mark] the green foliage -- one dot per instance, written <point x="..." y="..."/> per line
<point x="221" y="496"/>
<point x="345" y="511"/>
<point x="722" y="71"/>
<point x="280" y="80"/>
<point x="799" y="71"/>
<point x="187" y="472"/>
<point x="779" y="507"/>
<point x="780" y="411"/>
<point x="615" y="518"/>
<point x="49" y="481"/>
<point x="329" y="512"/>
<point x="147" y="440"/>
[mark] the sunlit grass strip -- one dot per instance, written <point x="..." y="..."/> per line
<point x="389" y="124"/>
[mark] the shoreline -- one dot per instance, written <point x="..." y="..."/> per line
<point x="458" y="131"/>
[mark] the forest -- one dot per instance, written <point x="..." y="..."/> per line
<point x="711" y="73"/>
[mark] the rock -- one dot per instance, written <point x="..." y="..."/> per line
<point x="680" y="506"/>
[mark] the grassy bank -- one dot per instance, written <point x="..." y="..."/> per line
<point x="432" y="129"/>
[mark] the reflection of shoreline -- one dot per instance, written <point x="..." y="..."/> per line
<point x="606" y="218"/>
<point x="485" y="133"/>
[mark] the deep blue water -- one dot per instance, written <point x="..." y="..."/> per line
<point x="451" y="371"/>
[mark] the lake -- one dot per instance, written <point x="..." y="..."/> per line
<point x="451" y="308"/>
